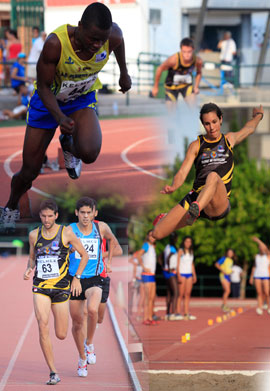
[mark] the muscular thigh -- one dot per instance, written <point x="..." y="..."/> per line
<point x="42" y="307"/>
<point x="60" y="313"/>
<point x="219" y="202"/>
<point x="87" y="129"/>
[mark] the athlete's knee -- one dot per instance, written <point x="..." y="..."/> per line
<point x="61" y="334"/>
<point x="92" y="312"/>
<point x="89" y="155"/>
<point x="28" y="174"/>
<point x="213" y="177"/>
<point x="77" y="322"/>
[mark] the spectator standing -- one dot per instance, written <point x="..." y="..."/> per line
<point x="34" y="54"/>
<point x="236" y="275"/>
<point x="227" y="47"/>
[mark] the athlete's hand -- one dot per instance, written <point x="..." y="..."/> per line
<point x="66" y="125"/>
<point x="154" y="91"/>
<point x="108" y="267"/>
<point x="258" y="110"/>
<point x="194" y="279"/>
<point x="167" y="189"/>
<point x="27" y="273"/>
<point x="124" y="82"/>
<point x="196" y="90"/>
<point x="76" y="288"/>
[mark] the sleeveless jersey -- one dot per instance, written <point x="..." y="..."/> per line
<point x="169" y="249"/>
<point x="149" y="257"/>
<point x="181" y="75"/>
<point x="214" y="156"/>
<point x="92" y="244"/>
<point x="52" y="258"/>
<point x="261" y="265"/>
<point x="186" y="261"/>
<point x="75" y="77"/>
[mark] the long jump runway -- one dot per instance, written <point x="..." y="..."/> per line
<point x="22" y="366"/>
<point x="130" y="163"/>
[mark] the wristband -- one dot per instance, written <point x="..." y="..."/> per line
<point x="258" y="112"/>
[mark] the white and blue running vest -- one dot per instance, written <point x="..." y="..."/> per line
<point x="92" y="244"/>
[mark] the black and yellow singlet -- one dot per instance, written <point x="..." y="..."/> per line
<point x="214" y="156"/>
<point x="52" y="261"/>
<point x="180" y="75"/>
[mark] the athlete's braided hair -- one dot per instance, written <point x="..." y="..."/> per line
<point x="97" y="14"/>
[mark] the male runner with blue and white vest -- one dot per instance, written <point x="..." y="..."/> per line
<point x="212" y="155"/>
<point x="65" y="96"/>
<point x="91" y="235"/>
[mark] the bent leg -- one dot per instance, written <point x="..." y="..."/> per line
<point x="36" y="142"/>
<point x="87" y="137"/>
<point x="60" y="313"/>
<point x="101" y="312"/>
<point x="76" y="308"/>
<point x="213" y="197"/>
<point x="188" y="289"/>
<point x="226" y="285"/>
<point x="42" y="307"/>
<point x="169" y="223"/>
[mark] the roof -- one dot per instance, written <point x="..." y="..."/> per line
<point x="62" y="3"/>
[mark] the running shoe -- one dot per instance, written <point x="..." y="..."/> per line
<point x="8" y="217"/>
<point x="90" y="355"/>
<point x="190" y="317"/>
<point x="82" y="368"/>
<point x="153" y="322"/>
<point x="158" y="218"/>
<point x="193" y="213"/>
<point x="147" y="322"/>
<point x="179" y="317"/>
<point x="225" y="308"/>
<point x="73" y="164"/>
<point x="259" y="311"/>
<point x="54" y="379"/>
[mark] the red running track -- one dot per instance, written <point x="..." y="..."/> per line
<point x="22" y="366"/>
<point x="133" y="152"/>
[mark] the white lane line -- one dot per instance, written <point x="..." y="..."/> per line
<point x="132" y="372"/>
<point x="10" y="173"/>
<point x="129" y="163"/>
<point x="8" y="269"/>
<point x="214" y="372"/>
<point x="16" y="353"/>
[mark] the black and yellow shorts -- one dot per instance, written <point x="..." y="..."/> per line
<point x="171" y="95"/>
<point x="56" y="295"/>
<point x="191" y="197"/>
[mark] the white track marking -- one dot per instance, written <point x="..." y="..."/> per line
<point x="16" y="352"/>
<point x="212" y="372"/>
<point x="129" y="163"/>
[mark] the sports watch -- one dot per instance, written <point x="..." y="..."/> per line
<point x="78" y="276"/>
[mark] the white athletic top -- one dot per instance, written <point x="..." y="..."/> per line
<point x="167" y="251"/>
<point x="261" y="266"/>
<point x="186" y="261"/>
<point x="173" y="261"/>
<point x="228" y="47"/>
<point x="235" y="274"/>
<point x="149" y="257"/>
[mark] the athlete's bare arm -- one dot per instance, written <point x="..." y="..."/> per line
<point x="262" y="246"/>
<point x="138" y="254"/>
<point x="249" y="128"/>
<point x="46" y="68"/>
<point x="31" y="261"/>
<point x="169" y="63"/>
<point x="113" y="243"/>
<point x="70" y="238"/>
<point x="117" y="45"/>
<point x="198" y="77"/>
<point x="181" y="175"/>
<point x="179" y="255"/>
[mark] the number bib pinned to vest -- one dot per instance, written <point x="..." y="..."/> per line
<point x="71" y="90"/>
<point x="47" y="267"/>
<point x="91" y="246"/>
